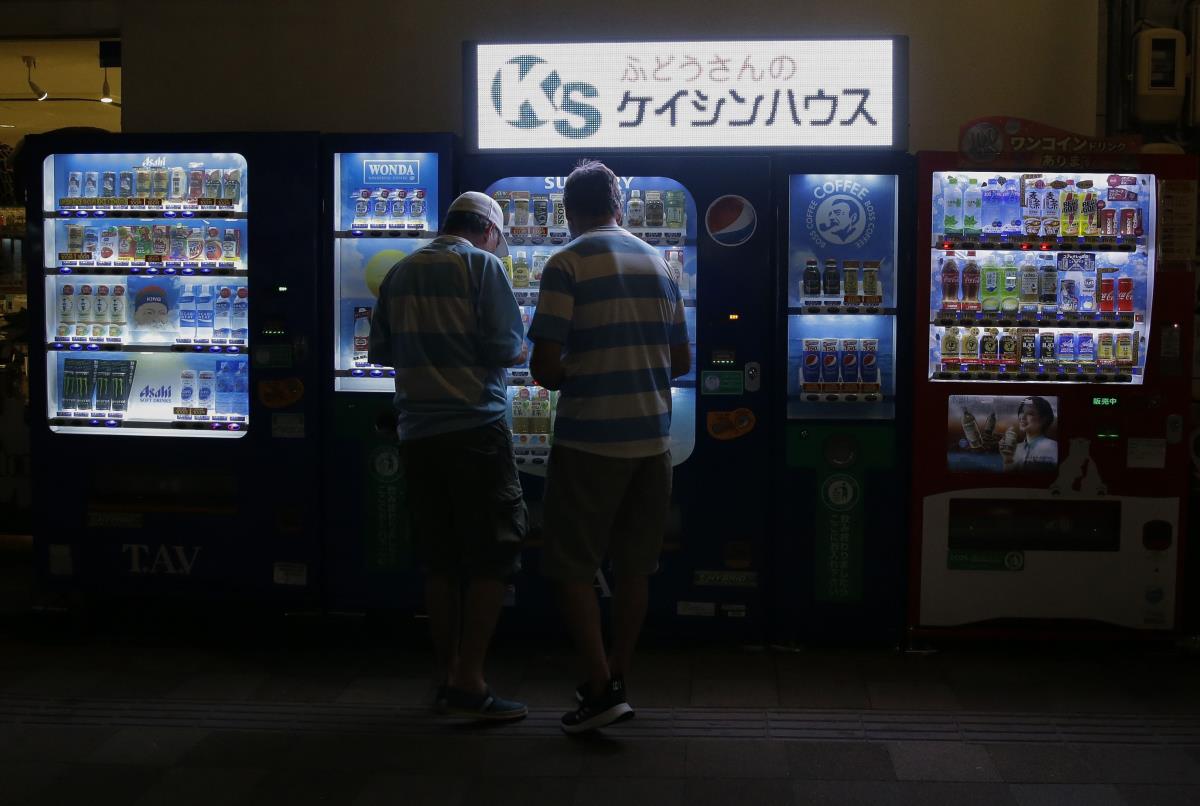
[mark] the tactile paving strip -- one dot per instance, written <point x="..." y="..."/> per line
<point x="823" y="725"/>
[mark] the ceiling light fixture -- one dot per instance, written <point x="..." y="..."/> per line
<point x="34" y="87"/>
<point x="105" y="95"/>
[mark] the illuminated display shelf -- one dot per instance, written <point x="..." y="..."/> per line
<point x="1122" y="321"/>
<point x="185" y="268"/>
<point x="1042" y="375"/>
<point x="148" y="213"/>
<point x="840" y="310"/>
<point x="95" y="345"/>
<point x="1003" y="243"/>
<point x="390" y="232"/>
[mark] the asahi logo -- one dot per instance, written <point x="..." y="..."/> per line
<point x="154" y="162"/>
<point x="528" y="93"/>
<point x="840" y="213"/>
<point x="150" y="394"/>
<point x="391" y="172"/>
<point x="160" y="559"/>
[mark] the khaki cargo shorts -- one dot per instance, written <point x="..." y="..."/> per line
<point x="597" y="505"/>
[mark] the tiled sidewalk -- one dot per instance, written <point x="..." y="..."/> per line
<point x="92" y="717"/>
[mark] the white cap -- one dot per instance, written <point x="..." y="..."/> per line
<point x="486" y="207"/>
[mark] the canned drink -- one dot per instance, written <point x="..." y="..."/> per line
<point x="1047" y="347"/>
<point x="1068" y="298"/>
<point x="108" y="184"/>
<point x="1124" y="348"/>
<point x="558" y="211"/>
<point x="872" y="291"/>
<point x="213" y="250"/>
<point x="160" y="240"/>
<point x="829" y="360"/>
<point x="1066" y="347"/>
<point x="178" y="244"/>
<point x="141" y="182"/>
<point x="1108" y="221"/>
<point x="160" y="183"/>
<point x="1105" y="348"/>
<point x="91" y="184"/>
<point x="100" y="307"/>
<point x="91" y="242"/>
<point x="399" y="208"/>
<point x="831" y="281"/>
<point x="1107" y="295"/>
<point x="231" y="243"/>
<point x="108" y="244"/>
<point x="1087" y="294"/>
<point x="84" y="307"/>
<point x="810" y="367"/>
<point x="849" y="361"/>
<point x="75" y="184"/>
<point x="125" y="184"/>
<point x="125" y="246"/>
<point x="988" y="346"/>
<point x="212" y="183"/>
<point x="850" y="291"/>
<point x="1125" y="294"/>
<point x="74" y="237"/>
<point x="195" y="246"/>
<point x="66" y="305"/>
<point x="950" y="345"/>
<point x="195" y="180"/>
<point x="1085" y="348"/>
<point x="232" y="177"/>
<point x="540" y="206"/>
<point x="178" y="186"/>
<point x="868" y="365"/>
<point x="1029" y="345"/>
<point x="417" y="205"/>
<point x="1010" y="439"/>
<point x="1130" y="221"/>
<point x="381" y="205"/>
<point x="1008" y="347"/>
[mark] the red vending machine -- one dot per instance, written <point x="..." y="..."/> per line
<point x="1050" y="468"/>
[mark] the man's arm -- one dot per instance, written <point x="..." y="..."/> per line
<point x="502" y="333"/>
<point x="552" y="323"/>
<point x="379" y="342"/>
<point x="546" y="364"/>
<point x="681" y="355"/>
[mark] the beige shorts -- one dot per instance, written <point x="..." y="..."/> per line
<point x="597" y="505"/>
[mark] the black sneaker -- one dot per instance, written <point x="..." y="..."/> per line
<point x="607" y="708"/>
<point x="581" y="691"/>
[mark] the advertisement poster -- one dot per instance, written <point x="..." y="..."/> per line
<point x="362" y="265"/>
<point x="1002" y="434"/>
<point x="387" y="191"/>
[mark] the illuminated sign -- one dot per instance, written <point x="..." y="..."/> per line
<point x="811" y="93"/>
<point x="1104" y="402"/>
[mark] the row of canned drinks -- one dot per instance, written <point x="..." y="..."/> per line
<point x="840" y="365"/>
<point x="992" y="346"/>
<point x="180" y="242"/>
<point x="390" y="208"/>
<point x="176" y="183"/>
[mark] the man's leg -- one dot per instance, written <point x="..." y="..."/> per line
<point x="629" y="613"/>
<point x="481" y="611"/>
<point x="443" y="602"/>
<point x="582" y="614"/>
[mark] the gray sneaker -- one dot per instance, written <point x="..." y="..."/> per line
<point x="483" y="706"/>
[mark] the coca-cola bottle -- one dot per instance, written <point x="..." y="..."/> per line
<point x="950" y="283"/>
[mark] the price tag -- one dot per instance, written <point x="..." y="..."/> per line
<point x="154" y="259"/>
<point x="74" y="256"/>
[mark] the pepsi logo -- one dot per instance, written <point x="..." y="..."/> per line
<point x="731" y="220"/>
<point x="869" y="360"/>
<point x="831" y="360"/>
<point x="849" y="359"/>
<point x="811" y="360"/>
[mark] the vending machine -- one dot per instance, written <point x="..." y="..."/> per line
<point x="682" y="207"/>
<point x="1052" y="384"/>
<point x="174" y="279"/>
<point x="384" y="196"/>
<point x="845" y="281"/>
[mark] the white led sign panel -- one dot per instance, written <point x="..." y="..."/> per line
<point x="815" y="93"/>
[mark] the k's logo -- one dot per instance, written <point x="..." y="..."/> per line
<point x="527" y="93"/>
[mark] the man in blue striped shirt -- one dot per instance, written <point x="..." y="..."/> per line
<point x="609" y="333"/>
<point x="447" y="321"/>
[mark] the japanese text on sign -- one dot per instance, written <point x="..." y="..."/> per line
<point x="753" y="94"/>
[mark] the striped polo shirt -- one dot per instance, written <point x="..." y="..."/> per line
<point x="447" y="321"/>
<point x="610" y="300"/>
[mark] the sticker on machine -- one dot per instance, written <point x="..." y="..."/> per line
<point x="731" y="220"/>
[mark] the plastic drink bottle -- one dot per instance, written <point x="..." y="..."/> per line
<point x="952" y="207"/>
<point x="972" y="209"/>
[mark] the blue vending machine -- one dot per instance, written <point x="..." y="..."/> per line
<point x="842" y="502"/>
<point x="384" y="196"/>
<point x="173" y="394"/>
